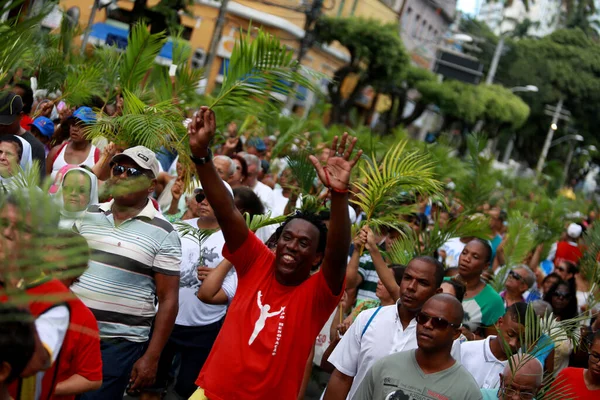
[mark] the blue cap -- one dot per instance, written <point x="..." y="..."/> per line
<point x="44" y="125"/>
<point x="258" y="143"/>
<point x="85" y="114"/>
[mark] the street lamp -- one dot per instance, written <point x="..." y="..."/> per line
<point x="571" y="139"/>
<point x="528" y="88"/>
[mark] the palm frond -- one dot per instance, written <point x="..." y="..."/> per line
<point x="261" y="220"/>
<point x="259" y="71"/>
<point x="476" y="186"/>
<point x="82" y="83"/>
<point x="399" y="170"/>
<point x="302" y="169"/>
<point x="311" y="204"/>
<point x="588" y="265"/>
<point x="142" y="49"/>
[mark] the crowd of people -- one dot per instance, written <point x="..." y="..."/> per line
<point x="170" y="292"/>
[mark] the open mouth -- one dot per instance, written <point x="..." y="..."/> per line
<point x="288" y="259"/>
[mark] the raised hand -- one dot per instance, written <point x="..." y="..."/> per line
<point x="201" y="131"/>
<point x="335" y="175"/>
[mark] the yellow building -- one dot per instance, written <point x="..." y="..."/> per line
<point x="283" y="18"/>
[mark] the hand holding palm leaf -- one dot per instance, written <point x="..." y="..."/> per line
<point x="335" y="175"/>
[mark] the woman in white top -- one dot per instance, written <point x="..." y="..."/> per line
<point x="77" y="150"/>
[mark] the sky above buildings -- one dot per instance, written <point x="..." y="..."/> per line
<point x="467" y="6"/>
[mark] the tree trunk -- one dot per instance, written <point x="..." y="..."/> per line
<point x="335" y="95"/>
<point x="371" y="112"/>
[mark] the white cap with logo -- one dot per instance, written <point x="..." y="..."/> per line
<point x="142" y="156"/>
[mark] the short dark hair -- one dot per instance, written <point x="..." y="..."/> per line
<point x="250" y="201"/>
<point x="16" y="141"/>
<point x="439" y="268"/>
<point x="518" y="312"/>
<point x="313" y="219"/>
<point x="571" y="267"/>
<point x="459" y="287"/>
<point x="550" y="276"/>
<point x="27" y="96"/>
<point x="571" y="309"/>
<point x="488" y="247"/>
<point x="17" y="339"/>
<point x="398" y="271"/>
<point x="243" y="163"/>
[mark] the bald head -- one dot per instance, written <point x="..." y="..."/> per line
<point x="528" y="372"/>
<point x="449" y="305"/>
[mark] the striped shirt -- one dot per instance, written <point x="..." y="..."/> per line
<point x="118" y="286"/>
<point x="367" y="288"/>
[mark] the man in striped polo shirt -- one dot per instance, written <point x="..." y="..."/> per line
<point x="135" y="258"/>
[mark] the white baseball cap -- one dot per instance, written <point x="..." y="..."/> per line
<point x="229" y="189"/>
<point x="574" y="230"/>
<point x="142" y="156"/>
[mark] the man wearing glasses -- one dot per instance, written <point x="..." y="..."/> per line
<point x="520" y="380"/>
<point x="519" y="281"/>
<point x="429" y="372"/>
<point x="135" y="258"/>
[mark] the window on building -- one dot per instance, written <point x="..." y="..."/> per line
<point x="415" y="26"/>
<point x="423" y="30"/>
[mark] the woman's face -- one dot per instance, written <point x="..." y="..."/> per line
<point x="9" y="159"/>
<point x="473" y="259"/>
<point x="237" y="178"/>
<point x="448" y="288"/>
<point x="594" y="359"/>
<point x="382" y="293"/>
<point x="76" y="189"/>
<point x="561" y="298"/>
<point x="76" y="132"/>
<point x="548" y="284"/>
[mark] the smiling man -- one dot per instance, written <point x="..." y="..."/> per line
<point x="429" y="372"/>
<point x="381" y="331"/>
<point x="279" y="307"/>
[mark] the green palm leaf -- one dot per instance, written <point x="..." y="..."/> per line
<point x="82" y="83"/>
<point x="399" y="170"/>
<point x="261" y="220"/>
<point x="302" y="169"/>
<point x="142" y="49"/>
<point x="258" y="69"/>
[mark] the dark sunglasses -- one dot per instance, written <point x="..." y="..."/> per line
<point x="436" y="322"/>
<point x="516" y="276"/>
<point x="132" y="172"/>
<point x="562" y="295"/>
<point x="200" y="196"/>
<point x="560" y="269"/>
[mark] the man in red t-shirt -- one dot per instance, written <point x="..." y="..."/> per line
<point x="279" y="307"/>
<point x="567" y="250"/>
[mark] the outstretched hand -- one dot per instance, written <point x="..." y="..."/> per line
<point x="335" y="175"/>
<point x="201" y="131"/>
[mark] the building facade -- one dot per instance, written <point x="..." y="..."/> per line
<point x="544" y="16"/>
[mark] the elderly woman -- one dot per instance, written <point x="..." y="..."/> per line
<point x="78" y="189"/>
<point x="15" y="156"/>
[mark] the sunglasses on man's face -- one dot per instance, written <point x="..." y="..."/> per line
<point x="199" y="193"/>
<point x="437" y="322"/>
<point x="561" y="269"/>
<point x="562" y="295"/>
<point x="515" y="275"/>
<point x="132" y="172"/>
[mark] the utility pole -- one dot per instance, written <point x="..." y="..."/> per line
<point x="88" y="28"/>
<point x="555" y="117"/>
<point x="312" y="15"/>
<point x="216" y="38"/>
<point x="568" y="163"/>
<point x="495" y="61"/>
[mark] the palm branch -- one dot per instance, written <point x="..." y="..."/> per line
<point x="82" y="83"/>
<point x="142" y="49"/>
<point x="475" y="187"/>
<point x="302" y="169"/>
<point x="261" y="220"/>
<point x="399" y="170"/>
<point x="196" y="234"/>
<point x="258" y="70"/>
<point x="519" y="241"/>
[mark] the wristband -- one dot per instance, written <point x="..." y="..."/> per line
<point x="202" y="160"/>
<point x="344" y="191"/>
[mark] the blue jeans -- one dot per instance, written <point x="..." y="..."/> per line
<point x="118" y="357"/>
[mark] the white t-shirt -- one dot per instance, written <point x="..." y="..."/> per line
<point x="323" y="340"/>
<point x="477" y="357"/>
<point x="265" y="194"/>
<point x="279" y="202"/>
<point x="357" y="352"/>
<point x="453" y="248"/>
<point x="193" y="312"/>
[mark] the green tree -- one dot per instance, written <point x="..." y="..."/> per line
<point x="377" y="57"/>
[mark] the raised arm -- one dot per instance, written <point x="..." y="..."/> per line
<point x="386" y="275"/>
<point x="335" y="175"/>
<point x="201" y="131"/>
<point x="211" y="291"/>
